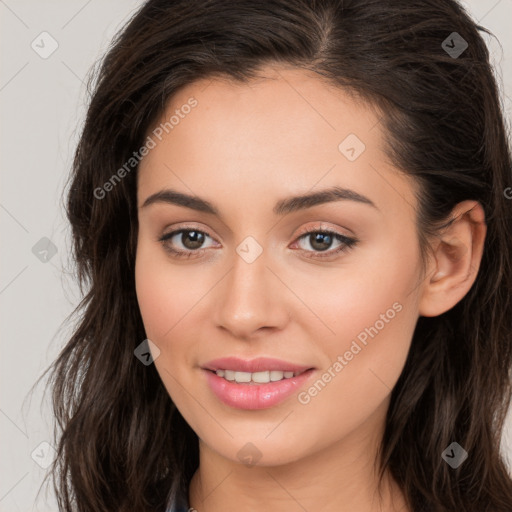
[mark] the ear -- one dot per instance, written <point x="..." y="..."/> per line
<point x="455" y="261"/>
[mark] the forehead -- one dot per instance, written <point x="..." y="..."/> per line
<point x="294" y="102"/>
<point x="285" y="130"/>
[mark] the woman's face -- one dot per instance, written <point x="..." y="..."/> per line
<point x="252" y="284"/>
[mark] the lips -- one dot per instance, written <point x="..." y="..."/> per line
<point x="251" y="395"/>
<point x="259" y="364"/>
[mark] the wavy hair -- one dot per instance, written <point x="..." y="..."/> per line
<point x="122" y="444"/>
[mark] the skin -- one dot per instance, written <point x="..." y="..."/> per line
<point x="243" y="148"/>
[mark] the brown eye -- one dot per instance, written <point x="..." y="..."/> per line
<point x="184" y="242"/>
<point x="192" y="239"/>
<point x="320" y="241"/>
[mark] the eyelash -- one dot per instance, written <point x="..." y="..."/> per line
<point x="347" y="243"/>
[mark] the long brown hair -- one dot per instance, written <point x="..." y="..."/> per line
<point x="122" y="444"/>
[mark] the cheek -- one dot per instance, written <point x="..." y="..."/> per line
<point x="164" y="300"/>
<point x="165" y="295"/>
<point x="154" y="299"/>
<point x="170" y="299"/>
<point x="364" y="361"/>
<point x="365" y="324"/>
<point x="364" y="299"/>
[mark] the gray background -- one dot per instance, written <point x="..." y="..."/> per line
<point x="42" y="103"/>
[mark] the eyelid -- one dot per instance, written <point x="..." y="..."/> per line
<point x="346" y="242"/>
<point x="302" y="231"/>
<point x="322" y="227"/>
<point x="184" y="227"/>
<point x="173" y="232"/>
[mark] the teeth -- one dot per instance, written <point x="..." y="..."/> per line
<point x="256" y="377"/>
<point x="261" y="377"/>
<point x="276" y="375"/>
<point x="242" y="377"/>
<point x="229" y="375"/>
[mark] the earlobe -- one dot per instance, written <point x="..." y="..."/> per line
<point x="455" y="260"/>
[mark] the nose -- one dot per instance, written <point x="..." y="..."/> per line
<point x="251" y="299"/>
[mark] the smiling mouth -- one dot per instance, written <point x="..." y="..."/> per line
<point x="241" y="390"/>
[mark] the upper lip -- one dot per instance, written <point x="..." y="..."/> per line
<point x="254" y="365"/>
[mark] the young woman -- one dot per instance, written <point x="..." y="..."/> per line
<point x="292" y="221"/>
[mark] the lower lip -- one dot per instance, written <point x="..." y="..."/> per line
<point x="255" y="396"/>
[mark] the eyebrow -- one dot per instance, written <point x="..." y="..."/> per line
<point x="282" y="207"/>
